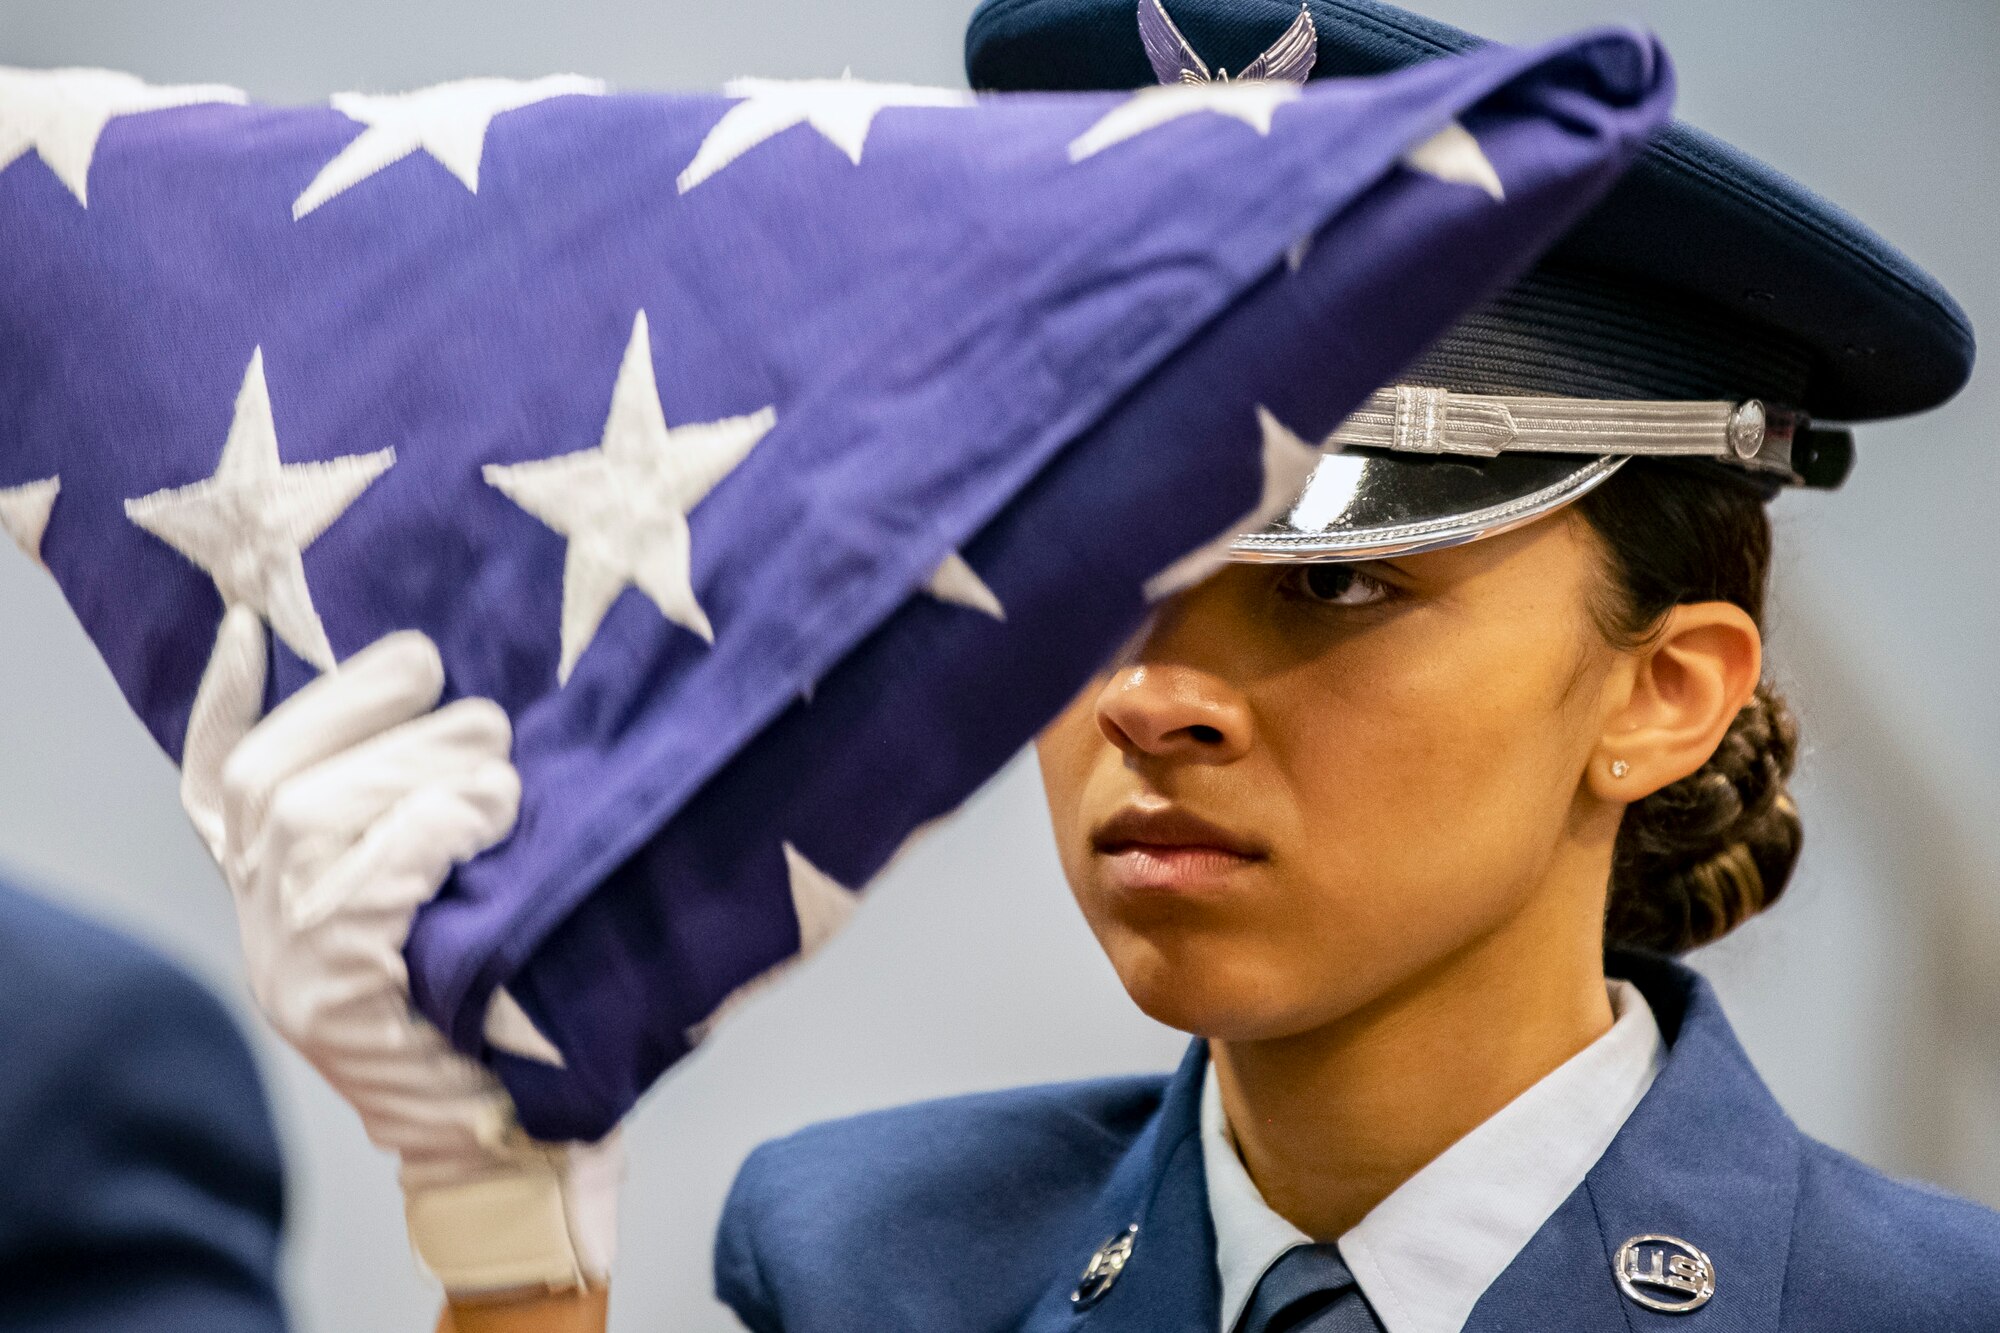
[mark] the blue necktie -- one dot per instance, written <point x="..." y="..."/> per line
<point x="1309" y="1290"/>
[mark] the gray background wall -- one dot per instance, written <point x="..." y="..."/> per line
<point x="1870" y="998"/>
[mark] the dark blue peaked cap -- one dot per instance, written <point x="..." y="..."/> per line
<point x="1874" y="335"/>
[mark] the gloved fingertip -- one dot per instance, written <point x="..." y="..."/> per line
<point x="409" y="660"/>
<point x="227" y="704"/>
<point x="482" y="725"/>
<point x="495" y="789"/>
<point x="242" y="628"/>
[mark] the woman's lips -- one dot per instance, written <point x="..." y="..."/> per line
<point x="1149" y="867"/>
<point x="1163" y="848"/>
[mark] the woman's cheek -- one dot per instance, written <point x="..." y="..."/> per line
<point x="1067" y="751"/>
<point x="1427" y="830"/>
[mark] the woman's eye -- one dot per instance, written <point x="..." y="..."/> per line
<point x="1336" y="585"/>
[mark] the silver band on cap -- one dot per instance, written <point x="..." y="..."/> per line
<point x="1415" y="419"/>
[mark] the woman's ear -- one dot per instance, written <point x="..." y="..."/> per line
<point x="1687" y="686"/>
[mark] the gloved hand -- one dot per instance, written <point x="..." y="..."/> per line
<point x="333" y="820"/>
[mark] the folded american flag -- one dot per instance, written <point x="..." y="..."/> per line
<point x="780" y="462"/>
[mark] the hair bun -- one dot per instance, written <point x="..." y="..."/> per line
<point x="1698" y="858"/>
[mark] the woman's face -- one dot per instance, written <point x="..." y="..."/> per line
<point x="1307" y="785"/>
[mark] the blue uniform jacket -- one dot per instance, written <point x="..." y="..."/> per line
<point x="139" y="1177"/>
<point x="978" y="1214"/>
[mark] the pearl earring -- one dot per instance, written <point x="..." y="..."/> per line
<point x="1619" y="768"/>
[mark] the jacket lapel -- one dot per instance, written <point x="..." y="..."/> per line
<point x="1707" y="1157"/>
<point x="1169" y="1283"/>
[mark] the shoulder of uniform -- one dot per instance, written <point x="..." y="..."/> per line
<point x="938" y="1149"/>
<point x="1892" y="1254"/>
<point x="135" y="1121"/>
<point x="72" y="975"/>
<point x="855" y="1209"/>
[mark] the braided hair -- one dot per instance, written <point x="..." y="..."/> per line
<point x="1699" y="857"/>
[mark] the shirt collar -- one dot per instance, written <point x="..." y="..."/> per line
<point x="1427" y="1253"/>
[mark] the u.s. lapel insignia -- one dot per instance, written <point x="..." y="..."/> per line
<point x="1664" y="1273"/>
<point x="1104" y="1268"/>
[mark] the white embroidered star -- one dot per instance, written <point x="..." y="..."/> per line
<point x="248" y="526"/>
<point x="956" y="582"/>
<point x="1288" y="461"/>
<point x="60" y="113"/>
<point x="821" y="905"/>
<point x="624" y="504"/>
<point x="1253" y="102"/>
<point x="508" y="1028"/>
<point x="24" y="513"/>
<point x="448" y="121"/>
<point x="1453" y="155"/>
<point x="843" y="110"/>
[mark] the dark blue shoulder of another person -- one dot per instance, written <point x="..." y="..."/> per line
<point x="933" y="1216"/>
<point x="143" y="1187"/>
<point x="1871" y="1254"/>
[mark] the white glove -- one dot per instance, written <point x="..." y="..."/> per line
<point x="333" y="820"/>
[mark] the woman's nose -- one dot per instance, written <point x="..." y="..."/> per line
<point x="1173" y="712"/>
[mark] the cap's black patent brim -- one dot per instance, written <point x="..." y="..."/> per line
<point x="1361" y="504"/>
